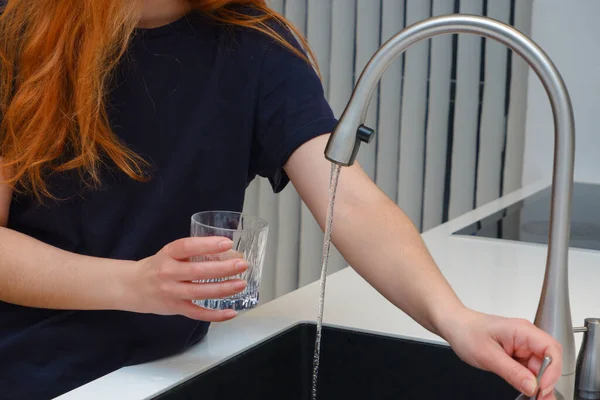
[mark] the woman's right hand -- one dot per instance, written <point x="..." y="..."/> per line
<point x="163" y="283"/>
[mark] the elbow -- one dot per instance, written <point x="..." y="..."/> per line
<point x="360" y="195"/>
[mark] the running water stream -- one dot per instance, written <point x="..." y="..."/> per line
<point x="333" y="182"/>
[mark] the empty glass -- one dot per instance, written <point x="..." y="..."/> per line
<point x="249" y="235"/>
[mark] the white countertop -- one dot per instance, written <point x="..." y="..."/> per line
<point x="505" y="278"/>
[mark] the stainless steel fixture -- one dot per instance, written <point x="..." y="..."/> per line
<point x="554" y="313"/>
<point x="545" y="364"/>
<point x="587" y="381"/>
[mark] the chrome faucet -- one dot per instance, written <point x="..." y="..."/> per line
<point x="554" y="312"/>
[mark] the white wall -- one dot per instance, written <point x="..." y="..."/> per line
<point x="569" y="31"/>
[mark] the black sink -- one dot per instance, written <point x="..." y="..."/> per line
<point x="354" y="365"/>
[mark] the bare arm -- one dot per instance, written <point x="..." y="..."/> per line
<point x="375" y="237"/>
<point x="35" y="274"/>
<point x="382" y="244"/>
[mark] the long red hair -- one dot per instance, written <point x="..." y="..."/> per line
<point x="56" y="60"/>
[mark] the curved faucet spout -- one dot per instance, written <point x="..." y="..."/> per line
<point x="554" y="313"/>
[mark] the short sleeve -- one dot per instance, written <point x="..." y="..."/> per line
<point x="291" y="110"/>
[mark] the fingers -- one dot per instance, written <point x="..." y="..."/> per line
<point x="190" y="310"/>
<point x="541" y="344"/>
<point x="194" y="271"/>
<point x="545" y="392"/>
<point x="197" y="291"/>
<point x="183" y="249"/>
<point x="549" y="396"/>
<point x="513" y="372"/>
<point x="534" y="363"/>
<point x="526" y="342"/>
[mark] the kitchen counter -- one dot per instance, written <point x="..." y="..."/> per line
<point x="504" y="278"/>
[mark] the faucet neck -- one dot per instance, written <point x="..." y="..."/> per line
<point x="554" y="314"/>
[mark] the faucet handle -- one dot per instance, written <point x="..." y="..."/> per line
<point x="587" y="375"/>
<point x="545" y="363"/>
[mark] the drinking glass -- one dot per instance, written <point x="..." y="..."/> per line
<point x="249" y="235"/>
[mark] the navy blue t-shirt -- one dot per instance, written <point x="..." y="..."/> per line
<point x="210" y="107"/>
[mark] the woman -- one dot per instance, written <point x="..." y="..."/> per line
<point x="122" y="118"/>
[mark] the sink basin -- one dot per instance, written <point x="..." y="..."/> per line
<point x="354" y="365"/>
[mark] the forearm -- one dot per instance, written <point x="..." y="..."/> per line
<point x="384" y="247"/>
<point x="35" y="274"/>
<point x="376" y="238"/>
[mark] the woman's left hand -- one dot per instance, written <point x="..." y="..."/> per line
<point x="510" y="348"/>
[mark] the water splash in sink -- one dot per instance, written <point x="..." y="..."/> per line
<point x="333" y="182"/>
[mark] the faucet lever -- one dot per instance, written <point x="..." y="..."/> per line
<point x="545" y="364"/>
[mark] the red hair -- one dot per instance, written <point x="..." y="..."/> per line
<point x="56" y="60"/>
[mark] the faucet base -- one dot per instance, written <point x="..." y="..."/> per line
<point x="565" y="388"/>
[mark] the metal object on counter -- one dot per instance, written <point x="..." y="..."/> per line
<point x="554" y="312"/>
<point x="545" y="363"/>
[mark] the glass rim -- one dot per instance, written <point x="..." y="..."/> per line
<point x="263" y="223"/>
